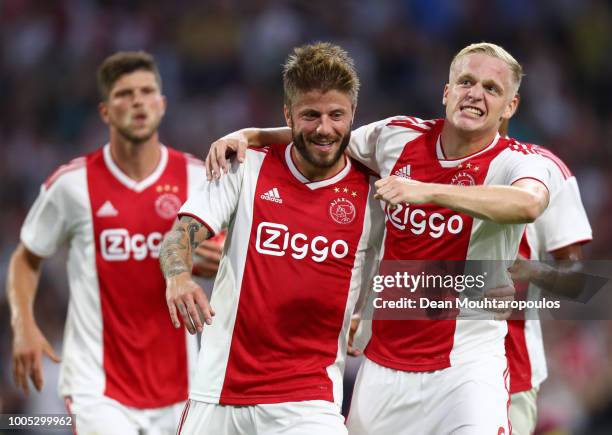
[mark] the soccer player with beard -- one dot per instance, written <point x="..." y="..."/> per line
<point x="124" y="367"/>
<point x="303" y="231"/>
<point x="455" y="190"/>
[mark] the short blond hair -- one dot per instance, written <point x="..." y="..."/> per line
<point x="493" y="50"/>
<point x="320" y="66"/>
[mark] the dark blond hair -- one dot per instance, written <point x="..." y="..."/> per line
<point x="121" y="63"/>
<point x="321" y="66"/>
<point x="494" y="51"/>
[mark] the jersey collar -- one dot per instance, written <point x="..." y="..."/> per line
<point x="137" y="186"/>
<point x="450" y="163"/>
<point x="314" y="184"/>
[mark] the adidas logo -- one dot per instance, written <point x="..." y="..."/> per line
<point x="403" y="172"/>
<point x="107" y="210"/>
<point x="272" y="195"/>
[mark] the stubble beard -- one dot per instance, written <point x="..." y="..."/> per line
<point x="300" y="145"/>
<point x="126" y="132"/>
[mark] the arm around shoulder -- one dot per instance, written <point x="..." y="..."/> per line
<point x="237" y="143"/>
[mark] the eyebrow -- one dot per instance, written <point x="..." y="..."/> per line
<point x="319" y="112"/>
<point x="495" y="84"/>
<point x="490" y="82"/>
<point x="122" y="90"/>
<point x="133" y="88"/>
<point x="309" y="111"/>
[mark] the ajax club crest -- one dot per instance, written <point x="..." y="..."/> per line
<point x="463" y="179"/>
<point x="342" y="211"/>
<point x="167" y="205"/>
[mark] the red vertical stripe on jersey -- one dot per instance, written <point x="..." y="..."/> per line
<point x="426" y="232"/>
<point x="145" y="357"/>
<point x="516" y="344"/>
<point x="509" y="402"/>
<point x="183" y="417"/>
<point x="291" y="310"/>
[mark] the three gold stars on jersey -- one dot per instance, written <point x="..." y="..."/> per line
<point x="345" y="190"/>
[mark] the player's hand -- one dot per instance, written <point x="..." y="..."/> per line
<point x="207" y="258"/>
<point x="29" y="344"/>
<point x="353" y="351"/>
<point x="501" y="294"/>
<point x="188" y="298"/>
<point x="399" y="190"/>
<point x="521" y="270"/>
<point x="221" y="149"/>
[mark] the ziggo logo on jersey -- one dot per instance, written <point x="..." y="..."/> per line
<point x="275" y="239"/>
<point x="418" y="221"/>
<point x="118" y="245"/>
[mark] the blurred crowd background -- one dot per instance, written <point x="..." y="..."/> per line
<point x="221" y="67"/>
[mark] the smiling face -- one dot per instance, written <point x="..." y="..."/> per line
<point x="135" y="106"/>
<point x="321" y="127"/>
<point x="480" y="94"/>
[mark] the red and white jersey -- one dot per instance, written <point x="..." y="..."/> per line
<point x="562" y="224"/>
<point x="297" y="256"/>
<point x="118" y="339"/>
<point x="410" y="147"/>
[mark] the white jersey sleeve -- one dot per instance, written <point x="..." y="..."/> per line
<point x="565" y="221"/>
<point x="522" y="163"/>
<point x="216" y="201"/>
<point x="378" y="145"/>
<point x="363" y="144"/>
<point x="196" y="175"/>
<point x="47" y="224"/>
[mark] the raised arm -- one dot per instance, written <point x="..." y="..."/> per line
<point x="237" y="142"/>
<point x="522" y="202"/>
<point x="29" y="343"/>
<point x="182" y="293"/>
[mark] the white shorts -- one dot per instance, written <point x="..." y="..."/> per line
<point x="524" y="412"/>
<point x="311" y="417"/>
<point x="472" y="399"/>
<point x="101" y="415"/>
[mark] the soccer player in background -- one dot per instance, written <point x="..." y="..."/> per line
<point x="559" y="233"/>
<point x="303" y="236"/>
<point x="124" y="368"/>
<point x="455" y="190"/>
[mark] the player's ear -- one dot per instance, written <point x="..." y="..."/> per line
<point x="287" y="112"/>
<point x="164" y="104"/>
<point x="512" y="106"/>
<point x="103" y="111"/>
<point x="445" y="94"/>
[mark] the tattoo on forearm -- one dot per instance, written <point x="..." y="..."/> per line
<point x="175" y="254"/>
<point x="174" y="257"/>
<point x="193" y="228"/>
